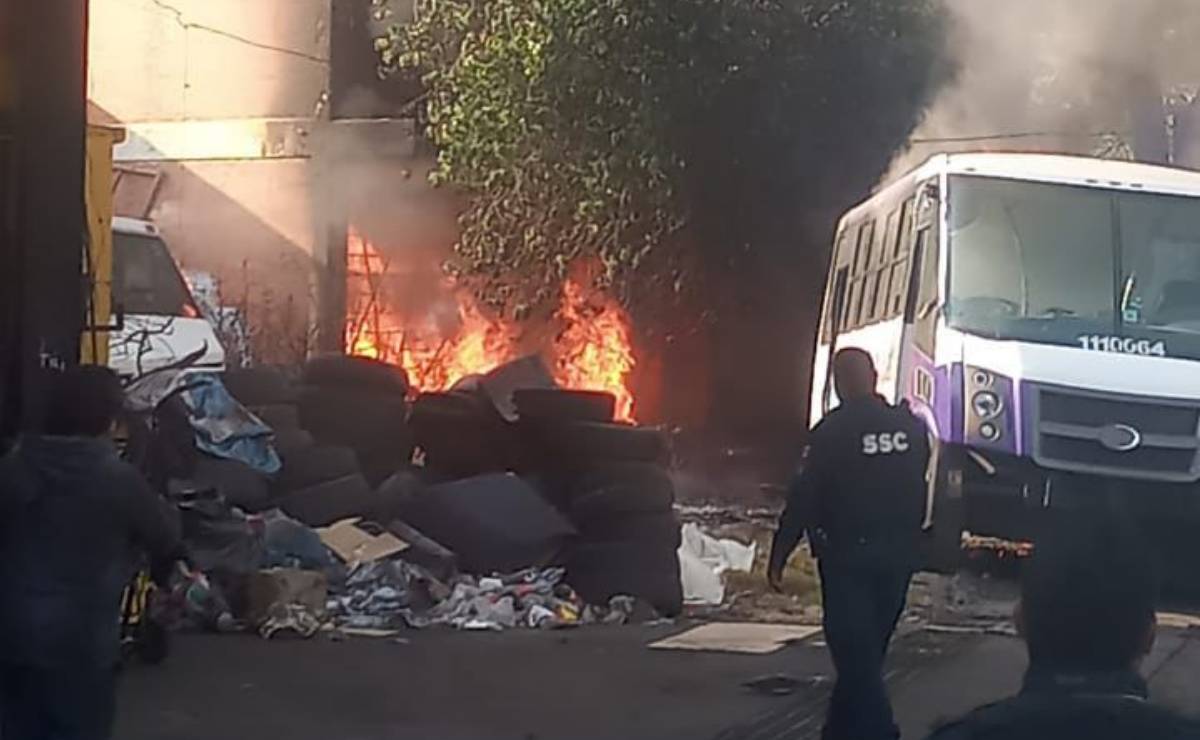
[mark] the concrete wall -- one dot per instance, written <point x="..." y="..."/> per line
<point x="173" y="60"/>
<point x="227" y="109"/>
<point x="218" y="97"/>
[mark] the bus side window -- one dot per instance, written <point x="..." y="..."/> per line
<point x="918" y="289"/>
<point x="853" y="305"/>
<point x="835" y="299"/>
<point x="923" y="290"/>
<point x="903" y="240"/>
<point x="897" y="288"/>
<point x="876" y="302"/>
<point x="870" y="312"/>
<point x="885" y="252"/>
<point x="837" y="303"/>
<point x="893" y="280"/>
<point x="862" y="255"/>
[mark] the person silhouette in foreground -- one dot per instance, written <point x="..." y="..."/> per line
<point x="73" y="516"/>
<point x="1087" y="617"/>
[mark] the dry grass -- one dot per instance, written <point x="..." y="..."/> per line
<point x="749" y="598"/>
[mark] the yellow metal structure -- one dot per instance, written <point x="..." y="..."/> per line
<point x="98" y="184"/>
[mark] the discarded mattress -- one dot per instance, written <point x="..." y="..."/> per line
<point x="494" y="523"/>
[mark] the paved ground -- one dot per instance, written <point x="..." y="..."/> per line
<point x="589" y="683"/>
<point x="579" y="685"/>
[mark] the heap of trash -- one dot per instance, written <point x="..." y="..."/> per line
<point x="332" y="497"/>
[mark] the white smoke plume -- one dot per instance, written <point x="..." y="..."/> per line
<point x="1075" y="76"/>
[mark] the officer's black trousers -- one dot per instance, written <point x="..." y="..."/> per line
<point x="863" y="602"/>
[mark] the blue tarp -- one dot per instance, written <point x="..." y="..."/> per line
<point x="225" y="428"/>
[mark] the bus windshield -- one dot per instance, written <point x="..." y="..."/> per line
<point x="1070" y="265"/>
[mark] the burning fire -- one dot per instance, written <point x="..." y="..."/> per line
<point x="435" y="354"/>
<point x="592" y="351"/>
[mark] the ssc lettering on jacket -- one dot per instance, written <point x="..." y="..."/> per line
<point x="885" y="443"/>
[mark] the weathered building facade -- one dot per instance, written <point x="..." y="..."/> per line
<point x="248" y="126"/>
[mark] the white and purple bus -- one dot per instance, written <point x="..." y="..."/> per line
<point x="1042" y="314"/>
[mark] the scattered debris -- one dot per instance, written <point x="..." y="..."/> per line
<point x="702" y="560"/>
<point x="777" y="684"/>
<point x="292" y="620"/>
<point x="283" y="586"/>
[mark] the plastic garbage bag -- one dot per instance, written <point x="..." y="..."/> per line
<point x="702" y="560"/>
<point x="540" y="616"/>
<point x="293" y="544"/>
<point x="224" y="428"/>
<point x="218" y="536"/>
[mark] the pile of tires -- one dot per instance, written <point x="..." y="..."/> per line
<point x="629" y="536"/>
<point x="565" y="430"/>
<point x="360" y="404"/>
<point x="611" y="481"/>
<point x="346" y="427"/>
<point x="461" y="434"/>
<point x="318" y="484"/>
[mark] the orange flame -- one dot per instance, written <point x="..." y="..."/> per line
<point x="592" y="351"/>
<point x="435" y="355"/>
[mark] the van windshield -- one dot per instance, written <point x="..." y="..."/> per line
<point x="1061" y="264"/>
<point x="146" y="279"/>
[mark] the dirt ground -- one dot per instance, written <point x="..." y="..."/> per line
<point x="747" y="595"/>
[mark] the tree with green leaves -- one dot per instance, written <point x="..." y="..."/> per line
<point x="694" y="149"/>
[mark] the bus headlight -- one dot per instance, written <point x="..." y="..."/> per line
<point x="990" y="409"/>
<point x="986" y="404"/>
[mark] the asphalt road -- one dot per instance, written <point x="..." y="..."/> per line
<point x="578" y="685"/>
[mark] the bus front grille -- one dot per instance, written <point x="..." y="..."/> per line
<point x="1123" y="436"/>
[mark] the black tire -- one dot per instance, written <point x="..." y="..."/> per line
<point x="278" y="416"/>
<point x="461" y="434"/>
<point x="317" y="465"/>
<point x="622" y="489"/>
<point x="358" y="419"/>
<point x="452" y="406"/>
<point x="399" y="491"/>
<point x="585" y="443"/>
<point x="651" y="530"/>
<point x="379" y="465"/>
<point x="329" y="502"/>
<point x="259" y="386"/>
<point x="238" y="483"/>
<point x="356" y="373"/>
<point x="291" y="443"/>
<point x="558" y="405"/>
<point x="600" y="571"/>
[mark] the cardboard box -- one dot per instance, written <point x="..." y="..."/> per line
<point x="284" y="586"/>
<point x="353" y="544"/>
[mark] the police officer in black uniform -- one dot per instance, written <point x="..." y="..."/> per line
<point x="861" y="497"/>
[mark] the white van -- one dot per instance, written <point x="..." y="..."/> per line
<point x="162" y="325"/>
